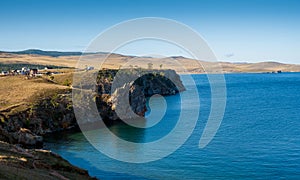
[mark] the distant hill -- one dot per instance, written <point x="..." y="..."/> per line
<point x="44" y="53"/>
<point x="114" y="61"/>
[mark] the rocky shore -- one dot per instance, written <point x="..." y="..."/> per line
<point x="121" y="92"/>
<point x="55" y="112"/>
<point x="19" y="163"/>
<point x="27" y="127"/>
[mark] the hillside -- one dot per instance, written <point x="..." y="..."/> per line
<point x="17" y="92"/>
<point x="115" y="61"/>
<point x="44" y="53"/>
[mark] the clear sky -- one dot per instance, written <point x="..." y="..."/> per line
<point x="237" y="30"/>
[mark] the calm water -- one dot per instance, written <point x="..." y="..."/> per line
<point x="259" y="136"/>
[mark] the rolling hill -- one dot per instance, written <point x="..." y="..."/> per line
<point x="115" y="61"/>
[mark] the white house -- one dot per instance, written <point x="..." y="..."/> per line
<point x="89" y="68"/>
<point x="4" y="73"/>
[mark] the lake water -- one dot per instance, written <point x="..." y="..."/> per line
<point x="259" y="137"/>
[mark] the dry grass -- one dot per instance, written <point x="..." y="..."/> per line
<point x="17" y="93"/>
<point x="66" y="61"/>
<point x="114" y="61"/>
<point x="64" y="78"/>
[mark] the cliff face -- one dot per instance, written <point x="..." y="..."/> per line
<point x="165" y="83"/>
<point x="109" y="104"/>
<point x="125" y="97"/>
<point x="27" y="127"/>
<point x="124" y="92"/>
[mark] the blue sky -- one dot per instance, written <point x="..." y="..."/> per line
<point x="237" y="30"/>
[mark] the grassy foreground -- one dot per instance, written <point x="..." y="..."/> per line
<point x="18" y="93"/>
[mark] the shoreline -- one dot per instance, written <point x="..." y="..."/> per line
<point x="245" y="72"/>
<point x="37" y="107"/>
<point x="46" y="101"/>
<point x="19" y="163"/>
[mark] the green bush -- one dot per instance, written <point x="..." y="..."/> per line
<point x="67" y="82"/>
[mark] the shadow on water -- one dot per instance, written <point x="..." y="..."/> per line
<point x="128" y="133"/>
<point x="259" y="136"/>
<point x="153" y="133"/>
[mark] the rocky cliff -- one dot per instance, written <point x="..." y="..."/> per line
<point x="121" y="94"/>
<point x="27" y="127"/>
<point x="18" y="163"/>
<point x="117" y="95"/>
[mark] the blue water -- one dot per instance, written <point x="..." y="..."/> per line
<point x="259" y="137"/>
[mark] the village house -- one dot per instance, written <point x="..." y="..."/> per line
<point x="4" y="73"/>
<point x="24" y="71"/>
<point x="33" y="72"/>
<point x="89" y="68"/>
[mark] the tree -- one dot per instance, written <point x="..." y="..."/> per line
<point x="160" y="66"/>
<point x="150" y="65"/>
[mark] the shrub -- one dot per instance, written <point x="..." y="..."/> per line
<point x="67" y="82"/>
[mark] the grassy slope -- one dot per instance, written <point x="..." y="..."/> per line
<point x="178" y="63"/>
<point x="18" y="93"/>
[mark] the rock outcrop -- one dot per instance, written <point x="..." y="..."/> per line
<point x="121" y="94"/>
<point x="27" y="138"/>
<point x="117" y="94"/>
<point x="28" y="126"/>
<point x="19" y="163"/>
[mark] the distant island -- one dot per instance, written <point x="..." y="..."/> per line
<point x="70" y="59"/>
